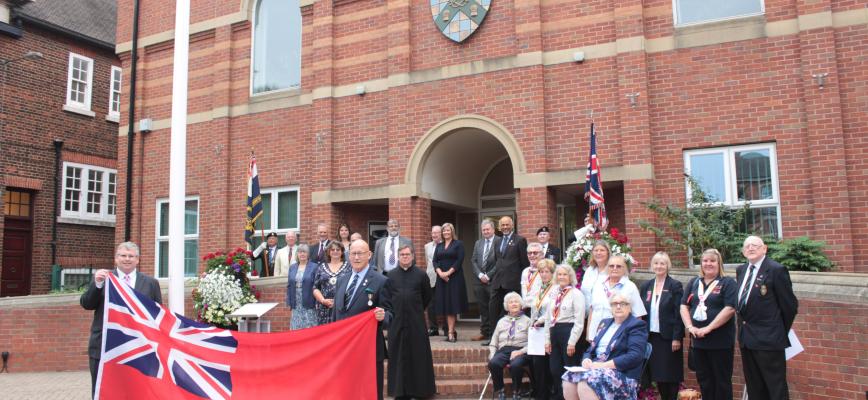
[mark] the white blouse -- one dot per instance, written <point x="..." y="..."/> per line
<point x="529" y="287"/>
<point x="600" y="308"/>
<point x="592" y="276"/>
<point x="571" y="310"/>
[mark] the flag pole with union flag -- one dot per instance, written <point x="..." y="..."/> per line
<point x="594" y="187"/>
<point x="254" y="207"/>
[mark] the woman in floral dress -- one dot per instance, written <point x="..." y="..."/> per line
<point x="325" y="282"/>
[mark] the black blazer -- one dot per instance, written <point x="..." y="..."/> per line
<point x="509" y="263"/>
<point x="766" y="318"/>
<point x="671" y="326"/>
<point x="314" y="252"/>
<point x="94" y="298"/>
<point x="374" y="284"/>
<point x="553" y="253"/>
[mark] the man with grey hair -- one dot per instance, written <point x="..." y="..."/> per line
<point x="287" y="255"/>
<point x="766" y="310"/>
<point x="386" y="249"/>
<point x="318" y="248"/>
<point x="126" y="264"/>
<point x="483" y="267"/>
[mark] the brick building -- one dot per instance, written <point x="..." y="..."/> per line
<point x="58" y="138"/>
<point x="361" y="110"/>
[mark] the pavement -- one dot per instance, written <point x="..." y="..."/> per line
<point x="74" y="385"/>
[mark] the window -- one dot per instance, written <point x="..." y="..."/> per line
<point x="276" y="60"/>
<point x="78" y="84"/>
<point x="114" y="111"/>
<point x="89" y="193"/>
<point x="738" y="175"/>
<point x="278" y="216"/>
<point x="689" y="12"/>
<point x="16" y="203"/>
<point x="191" y="237"/>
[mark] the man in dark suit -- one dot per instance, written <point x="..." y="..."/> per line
<point x="126" y="262"/>
<point x="510" y="258"/>
<point x="766" y="310"/>
<point x="543" y="235"/>
<point x="266" y="252"/>
<point x="483" y="268"/>
<point x="386" y="249"/>
<point x="363" y="290"/>
<point x="318" y="248"/>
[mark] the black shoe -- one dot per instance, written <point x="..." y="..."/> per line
<point x="486" y="343"/>
<point x="433" y="332"/>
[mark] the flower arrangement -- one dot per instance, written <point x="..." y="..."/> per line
<point x="579" y="253"/>
<point x="223" y="287"/>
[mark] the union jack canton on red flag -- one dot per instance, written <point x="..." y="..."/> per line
<point x="594" y="187"/>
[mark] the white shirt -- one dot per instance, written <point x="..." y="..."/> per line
<point x="654" y="312"/>
<point x="600" y="308"/>
<point x="752" y="277"/>
<point x="603" y="347"/>
<point x="571" y="310"/>
<point x="429" y="257"/>
<point x="529" y="288"/>
<point x="589" y="281"/>
<point x="538" y="314"/>
<point x="121" y="275"/>
<point x="387" y="252"/>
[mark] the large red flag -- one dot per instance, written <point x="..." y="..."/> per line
<point x="150" y="353"/>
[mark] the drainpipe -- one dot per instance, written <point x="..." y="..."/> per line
<point x="134" y="57"/>
<point x="58" y="149"/>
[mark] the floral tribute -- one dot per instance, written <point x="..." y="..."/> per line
<point x="579" y="253"/>
<point x="224" y="287"/>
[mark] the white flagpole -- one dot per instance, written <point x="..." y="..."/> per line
<point x="178" y="156"/>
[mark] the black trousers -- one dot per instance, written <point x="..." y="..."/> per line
<point x="516" y="367"/>
<point x="380" y="379"/>
<point x="714" y="373"/>
<point x="483" y="297"/>
<point x="94" y="371"/>
<point x="542" y="377"/>
<point x="668" y="390"/>
<point x="560" y="335"/>
<point x="765" y="374"/>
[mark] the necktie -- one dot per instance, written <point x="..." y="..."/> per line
<point x="348" y="296"/>
<point x="128" y="280"/>
<point x="486" y="249"/>
<point x="503" y="243"/>
<point x="290" y="255"/>
<point x="745" y="288"/>
<point x="321" y="251"/>
<point x="392" y="252"/>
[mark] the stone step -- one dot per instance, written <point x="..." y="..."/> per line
<point x="460" y="355"/>
<point x="461" y="371"/>
<point x="469" y="388"/>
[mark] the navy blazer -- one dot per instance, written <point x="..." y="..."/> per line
<point x="627" y="347"/>
<point x="307" y="300"/>
<point x="671" y="325"/>
<point x="766" y="318"/>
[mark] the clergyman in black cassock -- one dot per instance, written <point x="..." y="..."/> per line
<point x="411" y="366"/>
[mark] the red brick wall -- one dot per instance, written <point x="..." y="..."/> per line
<point x="33" y="94"/>
<point x="832" y="367"/>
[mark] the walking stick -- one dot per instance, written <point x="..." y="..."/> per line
<point x="481" y="395"/>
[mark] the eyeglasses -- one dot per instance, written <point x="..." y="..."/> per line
<point x="405" y="255"/>
<point x="616" y="266"/>
<point x="335" y="249"/>
<point x="619" y="304"/>
<point x="534" y="252"/>
<point x="752" y="246"/>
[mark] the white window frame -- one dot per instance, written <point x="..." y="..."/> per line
<point x="75" y="106"/>
<point x="82" y="216"/>
<point x="158" y="238"/>
<point x="253" y="52"/>
<point x="114" y="115"/>
<point x="729" y="174"/>
<point x="679" y="24"/>
<point x="273" y="192"/>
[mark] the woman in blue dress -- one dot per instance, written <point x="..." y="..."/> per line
<point x="450" y="295"/>
<point x="299" y="291"/>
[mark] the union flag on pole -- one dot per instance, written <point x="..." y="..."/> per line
<point x="594" y="187"/>
<point x="150" y="353"/>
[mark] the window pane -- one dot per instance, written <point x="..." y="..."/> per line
<point x="753" y="174"/>
<point x="264" y="221"/>
<point x="277" y="45"/>
<point x="762" y="221"/>
<point x="163" y="261"/>
<point x="689" y="11"/>
<point x="288" y="208"/>
<point x="191" y="257"/>
<point x="164" y="219"/>
<point x="707" y="170"/>
<point x="191" y="217"/>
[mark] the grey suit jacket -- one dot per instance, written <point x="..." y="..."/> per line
<point x="380" y="250"/>
<point x="94" y="298"/>
<point x="481" y="265"/>
<point x="373" y="284"/>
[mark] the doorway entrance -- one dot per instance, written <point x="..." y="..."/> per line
<point x="17" y="243"/>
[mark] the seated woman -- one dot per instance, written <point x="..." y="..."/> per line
<point x="614" y="360"/>
<point x="508" y="345"/>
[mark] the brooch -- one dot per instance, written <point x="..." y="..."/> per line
<point x="333" y="280"/>
<point x="763" y="290"/>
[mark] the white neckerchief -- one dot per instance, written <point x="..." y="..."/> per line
<point x="702" y="294"/>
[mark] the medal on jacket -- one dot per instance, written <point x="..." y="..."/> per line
<point x="763" y="290"/>
<point x="370" y="295"/>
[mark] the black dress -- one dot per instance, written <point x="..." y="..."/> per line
<point x="411" y="365"/>
<point x="450" y="298"/>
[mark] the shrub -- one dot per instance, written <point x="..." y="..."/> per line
<point x="801" y="254"/>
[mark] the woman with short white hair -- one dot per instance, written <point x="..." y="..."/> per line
<point x="565" y="320"/>
<point x="508" y="346"/>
